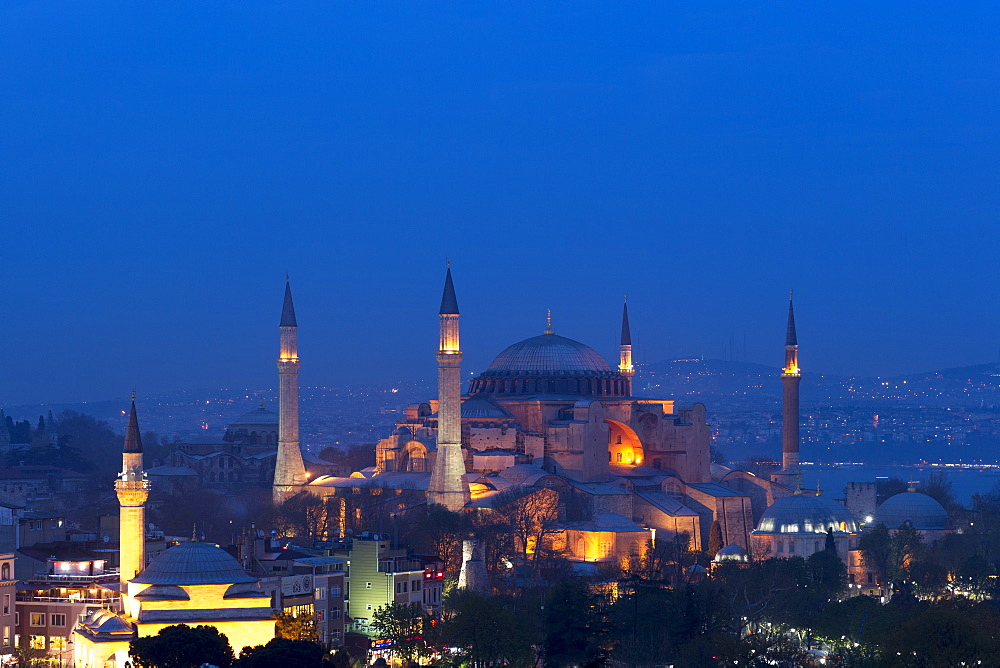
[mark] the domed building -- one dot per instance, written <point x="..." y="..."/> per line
<point x="913" y="509"/>
<point x="191" y="583"/>
<point x="256" y="427"/>
<point x="797" y="526"/>
<point x="555" y="406"/>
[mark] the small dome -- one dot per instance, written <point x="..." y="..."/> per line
<point x="259" y="415"/>
<point x="800" y="513"/>
<point x="921" y="511"/>
<point x="547" y="353"/>
<point x="731" y="553"/>
<point x="193" y="563"/>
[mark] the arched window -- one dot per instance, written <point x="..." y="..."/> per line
<point x="618" y="459"/>
<point x="5" y="572"/>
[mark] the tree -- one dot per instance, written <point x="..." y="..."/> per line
<point x="831" y="544"/>
<point x="946" y="637"/>
<point x="486" y="631"/>
<point x="876" y="552"/>
<point x="296" y="627"/>
<point x="714" y="538"/>
<point x="404" y="625"/>
<point x="444" y="531"/>
<point x="938" y="487"/>
<point x="282" y="653"/>
<point x="531" y="517"/>
<point x="827" y="573"/>
<point x="568" y="625"/>
<point x="28" y="656"/>
<point x="182" y="646"/>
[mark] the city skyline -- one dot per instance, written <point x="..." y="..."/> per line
<point x="156" y="190"/>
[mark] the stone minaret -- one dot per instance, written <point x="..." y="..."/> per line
<point x="132" y="489"/>
<point x="790" y="474"/>
<point x="447" y="486"/>
<point x="4" y="432"/>
<point x="625" y="367"/>
<point x="289" y="471"/>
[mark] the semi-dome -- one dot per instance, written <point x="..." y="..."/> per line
<point x="919" y="510"/>
<point x="801" y="513"/>
<point x="193" y="563"/>
<point x="550" y="364"/>
<point x="549" y="352"/>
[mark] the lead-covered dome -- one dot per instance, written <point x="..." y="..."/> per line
<point x="800" y="513"/>
<point x="193" y="563"/>
<point x="550" y="364"/>
<point x="549" y="352"/>
<point x="257" y="416"/>
<point x="918" y="510"/>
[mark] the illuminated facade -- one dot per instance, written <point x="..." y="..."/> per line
<point x="551" y="412"/>
<point x="191" y="583"/>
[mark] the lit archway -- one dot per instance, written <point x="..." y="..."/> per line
<point x="624" y="446"/>
<point x="413" y="457"/>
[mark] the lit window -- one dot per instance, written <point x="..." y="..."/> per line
<point x="37" y="642"/>
<point x="368" y="585"/>
<point x="37" y="619"/>
<point x="57" y="642"/>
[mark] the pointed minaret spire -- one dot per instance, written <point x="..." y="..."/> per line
<point x="790" y="338"/>
<point x="447" y="485"/>
<point x="133" y="441"/>
<point x="626" y="330"/>
<point x="289" y="470"/>
<point x="287" y="309"/>
<point x="625" y="367"/>
<point x="449" y="303"/>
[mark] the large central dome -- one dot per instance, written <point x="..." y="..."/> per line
<point x="550" y="365"/>
<point x="547" y="353"/>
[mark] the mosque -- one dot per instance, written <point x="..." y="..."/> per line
<point x="549" y="412"/>
<point x="191" y="583"/>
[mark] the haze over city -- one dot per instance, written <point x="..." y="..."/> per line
<point x="163" y="166"/>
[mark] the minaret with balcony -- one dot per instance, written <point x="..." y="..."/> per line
<point x="132" y="489"/>
<point x="289" y="470"/>
<point x="447" y="485"/>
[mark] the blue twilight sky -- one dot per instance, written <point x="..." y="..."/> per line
<point x="162" y="164"/>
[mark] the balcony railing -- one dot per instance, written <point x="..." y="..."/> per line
<point x="400" y="566"/>
<point x="108" y="576"/>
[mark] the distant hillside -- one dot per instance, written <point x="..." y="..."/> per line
<point x="713" y="380"/>
<point x="720" y="380"/>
